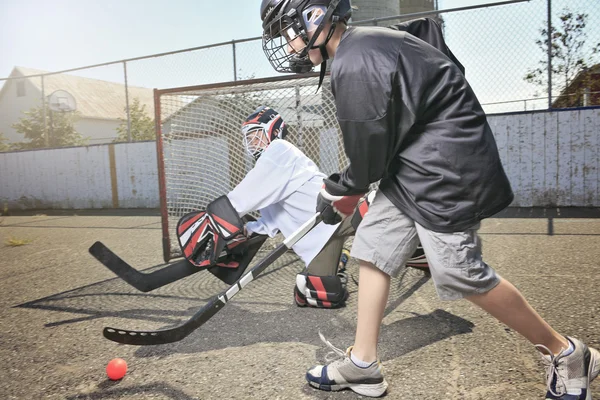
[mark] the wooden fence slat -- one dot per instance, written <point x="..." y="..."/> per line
<point x="565" y="130"/>
<point x="577" y="158"/>
<point x="538" y="167"/>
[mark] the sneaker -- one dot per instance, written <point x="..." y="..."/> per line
<point x="344" y="374"/>
<point x="569" y="377"/>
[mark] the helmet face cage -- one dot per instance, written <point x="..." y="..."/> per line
<point x="260" y="129"/>
<point x="255" y="140"/>
<point x="287" y="20"/>
<point x="275" y="43"/>
<point x="284" y="30"/>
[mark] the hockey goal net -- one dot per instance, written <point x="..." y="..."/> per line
<point x="200" y="150"/>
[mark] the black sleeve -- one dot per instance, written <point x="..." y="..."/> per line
<point x="366" y="143"/>
<point x="373" y="120"/>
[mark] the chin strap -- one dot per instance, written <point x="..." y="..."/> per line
<point x="322" y="75"/>
<point x="310" y="45"/>
<point x="324" y="54"/>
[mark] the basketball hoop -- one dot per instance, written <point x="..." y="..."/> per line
<point x="62" y="101"/>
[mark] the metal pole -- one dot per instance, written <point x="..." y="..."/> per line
<point x="234" y="61"/>
<point x="44" y="113"/>
<point x="127" y="103"/>
<point x="549" y="54"/>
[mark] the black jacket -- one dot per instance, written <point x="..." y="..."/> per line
<point x="409" y="117"/>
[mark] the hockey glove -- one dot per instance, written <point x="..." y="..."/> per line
<point x="336" y="201"/>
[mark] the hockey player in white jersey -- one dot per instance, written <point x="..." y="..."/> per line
<point x="283" y="186"/>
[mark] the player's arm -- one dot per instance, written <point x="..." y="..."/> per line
<point x="261" y="227"/>
<point x="267" y="183"/>
<point x="373" y="124"/>
<point x="369" y="146"/>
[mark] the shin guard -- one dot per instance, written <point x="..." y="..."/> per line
<point x="320" y="291"/>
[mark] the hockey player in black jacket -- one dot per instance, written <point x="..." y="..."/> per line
<point x="410" y="120"/>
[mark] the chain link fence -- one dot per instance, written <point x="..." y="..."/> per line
<point x="502" y="45"/>
<point x="201" y="154"/>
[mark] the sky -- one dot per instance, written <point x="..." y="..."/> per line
<point x="63" y="34"/>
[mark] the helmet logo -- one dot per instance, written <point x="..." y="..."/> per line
<point x="313" y="16"/>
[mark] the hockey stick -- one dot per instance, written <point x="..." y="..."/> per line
<point x="145" y="282"/>
<point x="145" y="338"/>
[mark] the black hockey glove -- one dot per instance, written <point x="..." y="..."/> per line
<point x="336" y="201"/>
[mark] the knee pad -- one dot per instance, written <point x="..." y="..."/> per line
<point x="320" y="291"/>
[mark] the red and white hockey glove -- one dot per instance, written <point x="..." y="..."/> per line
<point x="336" y="201"/>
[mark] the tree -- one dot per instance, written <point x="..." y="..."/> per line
<point x="142" y="126"/>
<point x="4" y="146"/>
<point x="569" y="58"/>
<point x="60" y="128"/>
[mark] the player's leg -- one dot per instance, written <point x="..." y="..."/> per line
<point x="373" y="293"/>
<point x="384" y="241"/>
<point x="458" y="271"/>
<point x="507" y="304"/>
<point x="324" y="282"/>
<point x="571" y="365"/>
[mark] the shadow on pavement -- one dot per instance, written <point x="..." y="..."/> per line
<point x="265" y="314"/>
<point x="109" y="390"/>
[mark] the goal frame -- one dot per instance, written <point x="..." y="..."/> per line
<point x="158" y="123"/>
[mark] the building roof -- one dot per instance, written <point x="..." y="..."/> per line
<point x="95" y="98"/>
<point x="572" y="95"/>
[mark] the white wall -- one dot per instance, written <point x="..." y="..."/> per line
<point x="137" y="175"/>
<point x="551" y="159"/>
<point x="81" y="177"/>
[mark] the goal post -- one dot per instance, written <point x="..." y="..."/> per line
<point x="200" y="147"/>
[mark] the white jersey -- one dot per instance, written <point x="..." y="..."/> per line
<point x="283" y="186"/>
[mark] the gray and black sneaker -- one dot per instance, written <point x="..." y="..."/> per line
<point x="568" y="377"/>
<point x="344" y="374"/>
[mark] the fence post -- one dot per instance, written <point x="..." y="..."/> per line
<point x="234" y="61"/>
<point x="127" y="103"/>
<point x="46" y="138"/>
<point x="549" y="54"/>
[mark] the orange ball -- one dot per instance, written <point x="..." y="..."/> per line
<point x="116" y="369"/>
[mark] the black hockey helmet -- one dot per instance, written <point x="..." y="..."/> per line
<point x="285" y="20"/>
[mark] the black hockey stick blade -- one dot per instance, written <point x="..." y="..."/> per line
<point x="175" y="334"/>
<point x="144" y="282"/>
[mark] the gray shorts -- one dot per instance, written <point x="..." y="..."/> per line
<point x="387" y="238"/>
